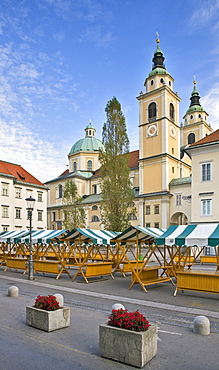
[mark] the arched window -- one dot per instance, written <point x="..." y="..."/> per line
<point x="95" y="219"/>
<point x="171" y="111"/>
<point x="152" y="112"/>
<point x="94" y="208"/>
<point x="89" y="166"/>
<point x="60" y="191"/>
<point x="75" y="166"/>
<point x="191" y="138"/>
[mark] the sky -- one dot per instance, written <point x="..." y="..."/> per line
<point x="61" y="61"/>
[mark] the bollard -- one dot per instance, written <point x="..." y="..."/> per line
<point x="13" y="291"/>
<point x="201" y="325"/>
<point x="60" y="299"/>
<point x="118" y="306"/>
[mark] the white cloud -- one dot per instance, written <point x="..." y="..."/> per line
<point x="210" y="102"/>
<point x="44" y="160"/>
<point x="204" y="14"/>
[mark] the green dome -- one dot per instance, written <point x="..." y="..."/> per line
<point x="195" y="108"/>
<point x="158" y="71"/>
<point x="88" y="144"/>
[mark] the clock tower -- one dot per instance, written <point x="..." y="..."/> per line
<point x="159" y="143"/>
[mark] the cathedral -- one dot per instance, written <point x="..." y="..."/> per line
<point x="161" y="171"/>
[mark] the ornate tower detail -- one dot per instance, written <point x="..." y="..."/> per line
<point x="195" y="121"/>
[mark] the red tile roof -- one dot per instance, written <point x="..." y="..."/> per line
<point x="18" y="172"/>
<point x="133" y="162"/>
<point x="64" y="173"/>
<point x="214" y="136"/>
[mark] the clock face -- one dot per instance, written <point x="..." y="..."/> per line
<point x="152" y="130"/>
<point x="172" y="131"/>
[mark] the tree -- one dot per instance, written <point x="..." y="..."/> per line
<point x="117" y="192"/>
<point x="74" y="213"/>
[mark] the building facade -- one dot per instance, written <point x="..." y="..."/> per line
<point x="16" y="185"/>
<point x="160" y="171"/>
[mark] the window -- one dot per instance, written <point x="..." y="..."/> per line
<point x="152" y="82"/>
<point x="75" y="166"/>
<point x="39" y="215"/>
<point x="5" y="228"/>
<point x="40" y="197"/>
<point x="206" y="171"/>
<point x="172" y="150"/>
<point x="95" y="219"/>
<point x="169" y="83"/>
<point x="148" y="210"/>
<point x="156" y="210"/>
<point x="94" y="208"/>
<point x="131" y="204"/>
<point x="172" y="169"/>
<point x="59" y="225"/>
<point x="89" y="166"/>
<point x="94" y="187"/>
<point x="18" y="193"/>
<point x="191" y="138"/>
<point x="132" y="216"/>
<point x="161" y="80"/>
<point x="53" y="216"/>
<point x="156" y="224"/>
<point x="5" y="189"/>
<point x="148" y="224"/>
<point x="60" y="191"/>
<point x="206" y="205"/>
<point x="171" y="111"/>
<point x="152" y="112"/>
<point x="191" y="117"/>
<point x="178" y="199"/>
<point x="5" y="211"/>
<point x="17" y="213"/>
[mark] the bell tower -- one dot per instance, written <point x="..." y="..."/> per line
<point x="195" y="125"/>
<point x="159" y="142"/>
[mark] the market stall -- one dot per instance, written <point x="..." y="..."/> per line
<point x="187" y="244"/>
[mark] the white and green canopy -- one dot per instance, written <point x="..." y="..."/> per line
<point x="141" y="233"/>
<point x="43" y="236"/>
<point x="91" y="236"/>
<point x="12" y="236"/>
<point x="191" y="235"/>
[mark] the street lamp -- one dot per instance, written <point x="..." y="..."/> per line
<point x="30" y="206"/>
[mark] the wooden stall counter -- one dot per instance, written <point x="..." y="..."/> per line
<point x="150" y="275"/>
<point x="198" y="280"/>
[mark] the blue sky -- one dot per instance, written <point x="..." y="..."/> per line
<point x="62" y="60"/>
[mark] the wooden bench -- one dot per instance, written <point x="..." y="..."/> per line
<point x="197" y="280"/>
<point x="94" y="269"/>
<point x="17" y="264"/>
<point x="49" y="267"/>
<point x="208" y="259"/>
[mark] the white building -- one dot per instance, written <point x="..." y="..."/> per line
<point x="16" y="185"/>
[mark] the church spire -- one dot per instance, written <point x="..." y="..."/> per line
<point x="158" y="58"/>
<point x="195" y="96"/>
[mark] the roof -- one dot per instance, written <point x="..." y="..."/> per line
<point x="211" y="138"/>
<point x="93" y="198"/>
<point x="133" y="162"/>
<point x="86" y="145"/>
<point x="180" y="181"/>
<point x="191" y="235"/>
<point x="19" y="173"/>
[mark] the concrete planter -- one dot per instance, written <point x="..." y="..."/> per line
<point x="48" y="320"/>
<point x="130" y="347"/>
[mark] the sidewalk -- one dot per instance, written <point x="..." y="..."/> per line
<point x="24" y="347"/>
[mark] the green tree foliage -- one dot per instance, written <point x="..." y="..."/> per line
<point x="117" y="192"/>
<point x="74" y="213"/>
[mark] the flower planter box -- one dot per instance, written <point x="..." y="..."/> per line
<point x="48" y="320"/>
<point x="130" y="347"/>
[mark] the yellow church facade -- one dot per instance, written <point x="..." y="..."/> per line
<point x="160" y="171"/>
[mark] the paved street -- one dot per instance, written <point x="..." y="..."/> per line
<point x="24" y="347"/>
